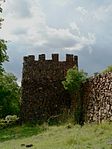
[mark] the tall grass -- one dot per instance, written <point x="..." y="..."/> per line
<point x="90" y="136"/>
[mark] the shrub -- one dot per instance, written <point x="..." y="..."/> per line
<point x="72" y="83"/>
<point x="9" y="95"/>
<point x="10" y="120"/>
<point x="74" y="79"/>
<point x="108" y="69"/>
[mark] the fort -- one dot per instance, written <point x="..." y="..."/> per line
<point x="43" y="94"/>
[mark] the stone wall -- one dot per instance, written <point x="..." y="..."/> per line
<point x="98" y="98"/>
<point x="43" y="94"/>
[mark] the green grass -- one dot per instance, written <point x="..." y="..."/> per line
<point x="58" y="137"/>
<point x="20" y="132"/>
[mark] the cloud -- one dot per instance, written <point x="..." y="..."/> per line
<point x="61" y="2"/>
<point x="103" y="13"/>
<point x="29" y="27"/>
<point x="70" y="26"/>
<point x="17" y="9"/>
<point x="74" y="27"/>
<point x="82" y="10"/>
<point x="52" y="38"/>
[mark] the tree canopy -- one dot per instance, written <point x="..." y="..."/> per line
<point x="9" y="95"/>
<point x="74" y="79"/>
<point x="3" y="46"/>
<point x="3" y="54"/>
<point x="1" y="19"/>
<point x="72" y="83"/>
<point x="9" y="89"/>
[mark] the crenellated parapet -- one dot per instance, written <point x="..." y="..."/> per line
<point x="70" y="58"/>
<point x="44" y="68"/>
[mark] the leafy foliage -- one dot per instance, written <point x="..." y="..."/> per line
<point x="1" y="1"/>
<point x="3" y="54"/>
<point x="108" y="69"/>
<point x="3" y="46"/>
<point x="9" y="121"/>
<point x="74" y="79"/>
<point x="73" y="82"/>
<point x="9" y="95"/>
<point x="9" y="90"/>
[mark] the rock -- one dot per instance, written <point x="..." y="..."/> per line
<point x="29" y="145"/>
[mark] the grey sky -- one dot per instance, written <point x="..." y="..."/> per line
<point x="64" y="26"/>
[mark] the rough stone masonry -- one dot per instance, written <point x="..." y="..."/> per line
<point x="43" y="94"/>
<point x="97" y="101"/>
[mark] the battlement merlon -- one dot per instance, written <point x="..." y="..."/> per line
<point x="29" y="58"/>
<point x="70" y="58"/>
<point x="55" y="57"/>
<point x="41" y="57"/>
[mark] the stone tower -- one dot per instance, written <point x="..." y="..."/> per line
<point x="43" y="94"/>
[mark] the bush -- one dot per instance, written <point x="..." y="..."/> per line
<point x="9" y="95"/>
<point x="108" y="69"/>
<point x="9" y="121"/>
<point x="73" y="83"/>
<point x="74" y="79"/>
<point x="11" y="118"/>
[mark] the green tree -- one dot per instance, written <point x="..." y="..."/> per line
<point x="1" y="19"/>
<point x="74" y="79"/>
<point x="73" y="83"/>
<point x="3" y="54"/>
<point x="9" y="89"/>
<point x="9" y="95"/>
<point x="3" y="47"/>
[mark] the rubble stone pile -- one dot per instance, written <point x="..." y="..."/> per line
<point x="98" y="98"/>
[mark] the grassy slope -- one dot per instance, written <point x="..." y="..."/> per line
<point x="87" y="137"/>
